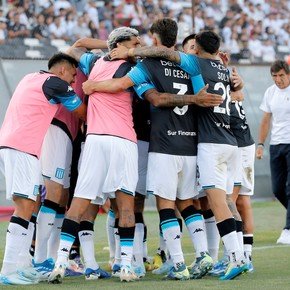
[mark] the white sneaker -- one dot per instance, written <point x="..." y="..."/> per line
<point x="15" y="279"/>
<point x="57" y="274"/>
<point x="284" y="237"/>
<point x="127" y="274"/>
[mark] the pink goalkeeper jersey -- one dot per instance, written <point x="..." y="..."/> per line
<point x="31" y="111"/>
<point x="67" y="117"/>
<point x="108" y="113"/>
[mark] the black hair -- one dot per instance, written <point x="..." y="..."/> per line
<point x="278" y="65"/>
<point x="166" y="29"/>
<point x="61" y="57"/>
<point x="188" y="38"/>
<point x="209" y="41"/>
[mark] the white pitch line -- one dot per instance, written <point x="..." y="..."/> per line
<point x="254" y="249"/>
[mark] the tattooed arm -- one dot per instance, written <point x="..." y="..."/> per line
<point x="121" y="52"/>
<point x="202" y="99"/>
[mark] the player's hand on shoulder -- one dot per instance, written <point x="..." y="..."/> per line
<point x="121" y="52"/>
<point x="89" y="87"/>
<point x="236" y="78"/>
<point x="225" y="57"/>
<point x="205" y="99"/>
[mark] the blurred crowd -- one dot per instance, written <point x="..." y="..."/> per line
<point x="250" y="29"/>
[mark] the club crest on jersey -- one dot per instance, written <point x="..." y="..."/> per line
<point x="59" y="173"/>
<point x="69" y="89"/>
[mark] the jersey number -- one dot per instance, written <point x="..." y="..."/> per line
<point x="240" y="110"/>
<point x="226" y="97"/>
<point x="182" y="90"/>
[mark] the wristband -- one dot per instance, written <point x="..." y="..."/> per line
<point x="261" y="145"/>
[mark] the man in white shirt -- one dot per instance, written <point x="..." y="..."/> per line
<point x="276" y="107"/>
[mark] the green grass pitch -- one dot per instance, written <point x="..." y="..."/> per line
<point x="271" y="261"/>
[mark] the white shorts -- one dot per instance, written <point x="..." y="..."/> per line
<point x="245" y="172"/>
<point x="142" y="166"/>
<point x="217" y="165"/>
<point x="22" y="173"/>
<point x="56" y="156"/>
<point x="108" y="164"/>
<point x="171" y="176"/>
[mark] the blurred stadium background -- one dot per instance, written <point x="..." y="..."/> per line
<point x="254" y="32"/>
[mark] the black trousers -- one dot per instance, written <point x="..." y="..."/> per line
<point x="280" y="175"/>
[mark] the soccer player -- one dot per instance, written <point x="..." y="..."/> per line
<point x="244" y="183"/>
<point x="28" y="117"/>
<point x="172" y="147"/>
<point x="55" y="160"/>
<point x="109" y="163"/>
<point x="141" y="119"/>
<point x="217" y="148"/>
<point x="212" y="234"/>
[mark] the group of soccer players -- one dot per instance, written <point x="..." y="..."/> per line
<point x="186" y="112"/>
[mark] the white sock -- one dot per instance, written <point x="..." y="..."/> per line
<point x="171" y="234"/>
<point x="126" y="244"/>
<point x="213" y="237"/>
<point x="117" y="246"/>
<point x="248" y="246"/>
<point x="145" y="247"/>
<point x="196" y="228"/>
<point x="162" y="244"/>
<point x="110" y="233"/>
<point x="16" y="238"/>
<point x="86" y="237"/>
<point x="239" y="226"/>
<point x="53" y="241"/>
<point x="44" y="226"/>
<point x="138" y="243"/>
<point x="24" y="256"/>
<point x="227" y="230"/>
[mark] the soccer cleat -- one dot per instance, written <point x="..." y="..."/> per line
<point x="219" y="268"/>
<point x="29" y="273"/>
<point x="284" y="237"/>
<point x="164" y="269"/>
<point x="202" y="265"/>
<point x="250" y="267"/>
<point x="44" y="269"/>
<point x="57" y="274"/>
<point x="91" y="274"/>
<point x="234" y="269"/>
<point x="16" y="279"/>
<point x="181" y="273"/>
<point x="75" y="268"/>
<point x="140" y="270"/>
<point x="127" y="274"/>
<point x="116" y="269"/>
<point x="147" y="264"/>
<point x="159" y="259"/>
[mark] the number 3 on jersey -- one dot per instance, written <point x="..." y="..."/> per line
<point x="182" y="90"/>
<point x="226" y="99"/>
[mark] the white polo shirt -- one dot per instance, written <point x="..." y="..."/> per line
<point x="277" y="102"/>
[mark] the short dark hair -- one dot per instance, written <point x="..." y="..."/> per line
<point x="166" y="28"/>
<point x="209" y="41"/>
<point x="188" y="38"/>
<point x="61" y="57"/>
<point x="278" y="65"/>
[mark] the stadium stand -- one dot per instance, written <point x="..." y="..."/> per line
<point x="253" y="31"/>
